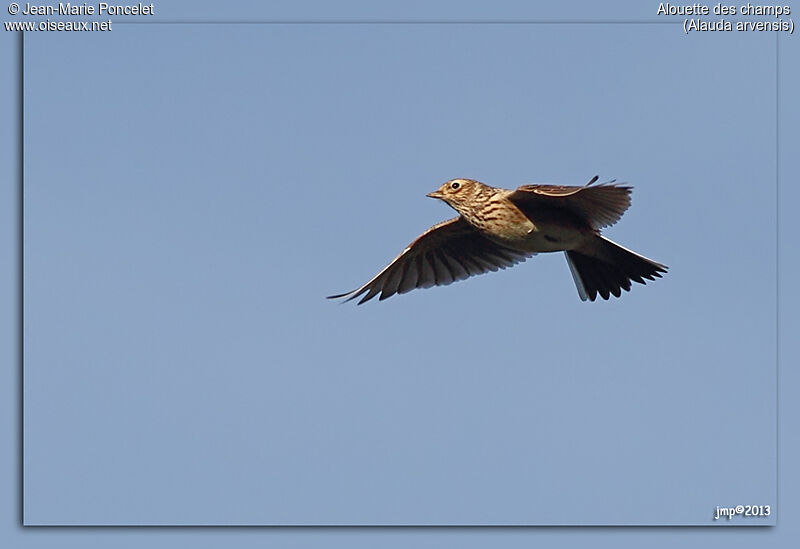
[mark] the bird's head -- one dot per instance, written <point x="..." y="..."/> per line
<point x="459" y="193"/>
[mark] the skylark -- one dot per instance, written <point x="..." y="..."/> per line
<point x="497" y="228"/>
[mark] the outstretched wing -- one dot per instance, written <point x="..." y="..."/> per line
<point x="597" y="205"/>
<point x="452" y="250"/>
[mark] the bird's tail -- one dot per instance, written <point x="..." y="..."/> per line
<point x="605" y="268"/>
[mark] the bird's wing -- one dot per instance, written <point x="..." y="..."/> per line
<point x="452" y="250"/>
<point x="598" y="206"/>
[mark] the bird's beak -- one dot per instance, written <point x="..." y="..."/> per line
<point x="435" y="194"/>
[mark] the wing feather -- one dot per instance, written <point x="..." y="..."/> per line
<point x="598" y="206"/>
<point x="443" y="274"/>
<point x="450" y="251"/>
<point x="456" y="269"/>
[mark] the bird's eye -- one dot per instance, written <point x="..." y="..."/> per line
<point x="455" y="185"/>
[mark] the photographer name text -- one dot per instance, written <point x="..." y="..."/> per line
<point x="102" y="8"/>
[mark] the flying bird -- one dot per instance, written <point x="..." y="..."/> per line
<point x="498" y="228"/>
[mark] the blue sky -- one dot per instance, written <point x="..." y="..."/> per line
<point x="182" y="366"/>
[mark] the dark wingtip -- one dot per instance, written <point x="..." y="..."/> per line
<point x="610" y="182"/>
<point x="660" y="268"/>
<point x="348" y="295"/>
<point x="351" y="295"/>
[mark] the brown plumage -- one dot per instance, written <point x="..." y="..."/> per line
<point x="498" y="228"/>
